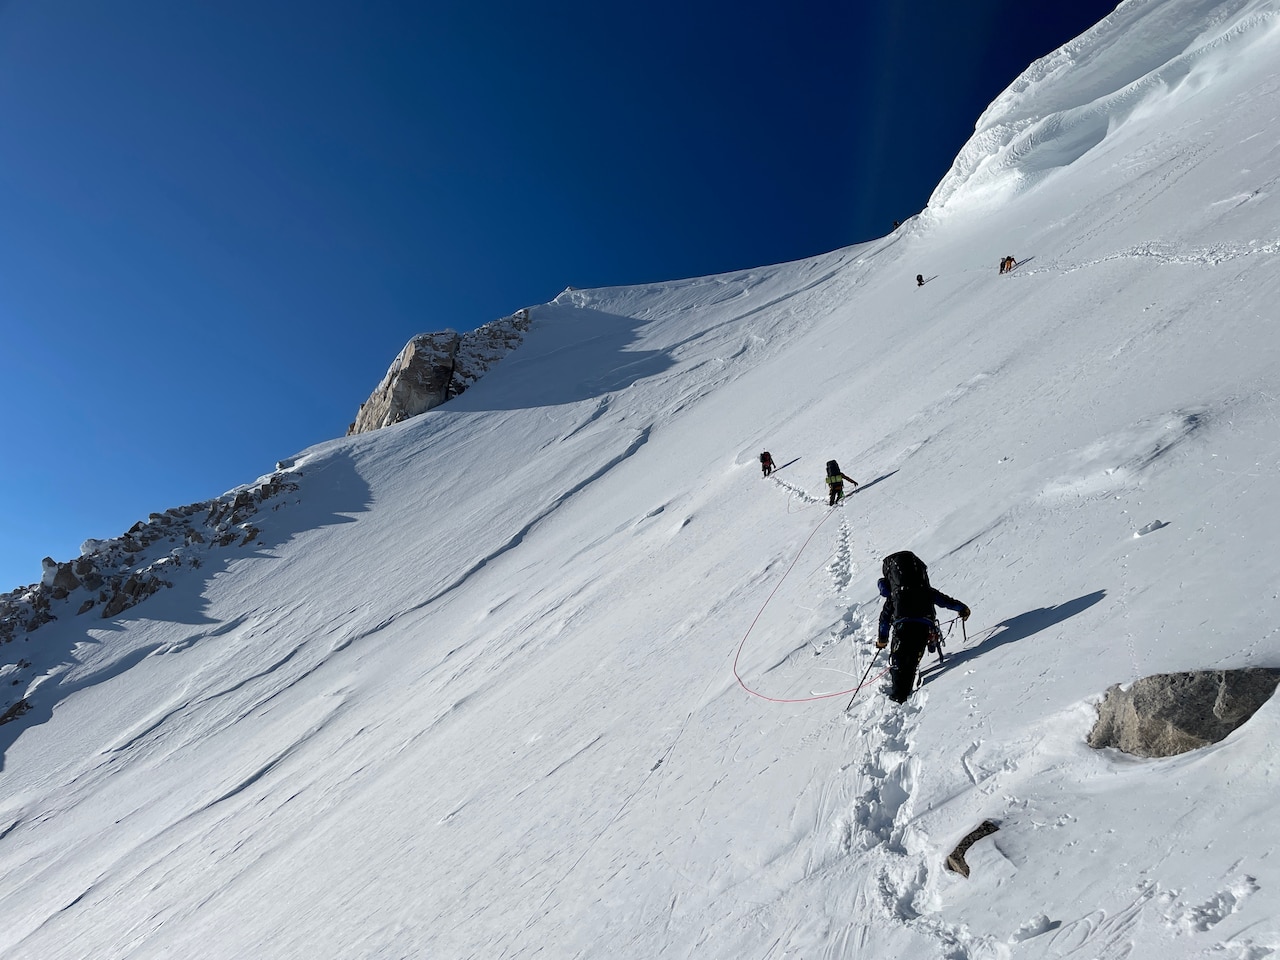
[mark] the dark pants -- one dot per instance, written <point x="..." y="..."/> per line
<point x="837" y="491"/>
<point x="909" y="643"/>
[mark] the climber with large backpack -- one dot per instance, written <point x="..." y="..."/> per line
<point x="835" y="483"/>
<point x="909" y="619"/>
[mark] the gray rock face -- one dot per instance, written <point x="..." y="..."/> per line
<point x="434" y="367"/>
<point x="418" y="380"/>
<point x="1171" y="713"/>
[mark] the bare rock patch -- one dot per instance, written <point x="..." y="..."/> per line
<point x="1171" y="713"/>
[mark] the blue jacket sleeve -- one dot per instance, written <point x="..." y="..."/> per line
<point x="886" y="618"/>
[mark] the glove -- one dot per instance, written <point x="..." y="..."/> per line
<point x="881" y="644"/>
<point x="964" y="614"/>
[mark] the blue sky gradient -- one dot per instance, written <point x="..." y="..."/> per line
<point x="220" y="222"/>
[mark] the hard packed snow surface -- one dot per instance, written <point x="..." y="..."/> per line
<point x="540" y="673"/>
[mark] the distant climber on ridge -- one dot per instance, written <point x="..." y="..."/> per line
<point x="835" y="483"/>
<point x="908" y="618"/>
<point x="766" y="463"/>
<point x="919" y="279"/>
<point x="1007" y="264"/>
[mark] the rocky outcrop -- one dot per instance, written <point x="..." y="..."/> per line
<point x="117" y="574"/>
<point x="114" y="575"/>
<point x="480" y="349"/>
<point x="59" y="577"/>
<point x="1171" y="713"/>
<point x="419" y="379"/>
<point x="133" y="591"/>
<point x="435" y="367"/>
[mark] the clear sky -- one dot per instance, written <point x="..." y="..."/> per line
<point x="220" y="222"/>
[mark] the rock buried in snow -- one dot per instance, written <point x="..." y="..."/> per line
<point x="955" y="861"/>
<point x="1171" y="713"/>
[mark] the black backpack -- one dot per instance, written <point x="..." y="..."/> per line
<point x="908" y="582"/>
<point x="833" y="469"/>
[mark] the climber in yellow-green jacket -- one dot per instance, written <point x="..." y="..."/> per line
<point x="835" y="483"/>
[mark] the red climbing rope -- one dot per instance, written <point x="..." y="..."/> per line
<point x="821" y="696"/>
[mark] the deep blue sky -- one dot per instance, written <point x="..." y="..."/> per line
<point x="219" y="222"/>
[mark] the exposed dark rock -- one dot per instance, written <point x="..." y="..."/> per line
<point x="133" y="591"/>
<point x="1171" y="713"/>
<point x="65" y="579"/>
<point x="15" y="711"/>
<point x="236" y="510"/>
<point x="39" y="617"/>
<point x="955" y="861"/>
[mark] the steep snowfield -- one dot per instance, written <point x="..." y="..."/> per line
<point x="475" y="694"/>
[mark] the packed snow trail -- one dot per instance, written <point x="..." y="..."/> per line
<point x="738" y="653"/>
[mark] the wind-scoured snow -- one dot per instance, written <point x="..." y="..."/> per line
<point x="472" y="692"/>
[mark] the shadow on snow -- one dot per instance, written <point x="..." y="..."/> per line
<point x="1022" y="626"/>
<point x="569" y="354"/>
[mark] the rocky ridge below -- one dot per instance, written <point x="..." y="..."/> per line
<point x="111" y="576"/>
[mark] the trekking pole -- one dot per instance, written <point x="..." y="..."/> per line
<point x="863" y="680"/>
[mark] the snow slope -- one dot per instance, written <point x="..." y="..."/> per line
<point x="474" y="695"/>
